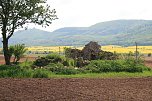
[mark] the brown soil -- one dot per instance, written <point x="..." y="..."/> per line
<point x="130" y="89"/>
<point x="29" y="58"/>
<point x="148" y="61"/>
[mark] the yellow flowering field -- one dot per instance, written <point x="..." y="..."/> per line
<point x="120" y="49"/>
<point x="110" y="48"/>
<point x="51" y="49"/>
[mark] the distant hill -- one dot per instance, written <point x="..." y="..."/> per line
<point x="117" y="32"/>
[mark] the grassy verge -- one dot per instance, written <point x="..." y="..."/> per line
<point x="105" y="75"/>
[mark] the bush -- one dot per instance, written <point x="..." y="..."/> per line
<point x="41" y="62"/>
<point x="20" y="73"/>
<point x="98" y="66"/>
<point x="18" y="51"/>
<point x="117" y="66"/>
<point x="55" y="58"/>
<point x="69" y="62"/>
<point x="69" y="71"/>
<point x="51" y="58"/>
<point x="55" y="67"/>
<point x="26" y="65"/>
<point x="133" y="69"/>
<point x="15" y="72"/>
<point x="6" y="67"/>
<point x="92" y="69"/>
<point x="61" y="69"/>
<point x="41" y="73"/>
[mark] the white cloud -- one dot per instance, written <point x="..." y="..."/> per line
<point x="73" y="13"/>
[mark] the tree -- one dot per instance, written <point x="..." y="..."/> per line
<point x="10" y="51"/>
<point x="15" y="14"/>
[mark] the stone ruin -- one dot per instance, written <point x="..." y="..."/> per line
<point x="91" y="51"/>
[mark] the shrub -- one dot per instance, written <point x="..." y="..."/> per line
<point x="83" y="70"/>
<point x="51" y="58"/>
<point x="41" y="73"/>
<point x="55" y="58"/>
<point x="16" y="73"/>
<point x="20" y="73"/>
<point x="55" y="67"/>
<point x="18" y="52"/>
<point x="26" y="65"/>
<point x="61" y="69"/>
<point x="98" y="66"/>
<point x="41" y="62"/>
<point x="69" y="71"/>
<point x="133" y="69"/>
<point x="6" y="67"/>
<point x="117" y="65"/>
<point x="69" y="62"/>
<point x="3" y="74"/>
<point x="92" y="69"/>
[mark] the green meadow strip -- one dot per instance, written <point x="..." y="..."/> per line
<point x="105" y="75"/>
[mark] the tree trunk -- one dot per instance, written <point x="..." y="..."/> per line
<point x="5" y="42"/>
<point x="6" y="51"/>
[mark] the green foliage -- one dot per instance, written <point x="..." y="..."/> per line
<point x="15" y="14"/>
<point x="41" y="73"/>
<point x="20" y="72"/>
<point x="18" y="51"/>
<point x="51" y="58"/>
<point x="14" y="72"/>
<point x="55" y="58"/>
<point x="98" y="66"/>
<point x="61" y="69"/>
<point x="69" y="62"/>
<point x="67" y="52"/>
<point x="55" y="67"/>
<point x="68" y="71"/>
<point x="18" y="13"/>
<point x="5" y="67"/>
<point x="26" y="65"/>
<point x="41" y="62"/>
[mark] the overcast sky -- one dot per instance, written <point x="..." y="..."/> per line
<point x="84" y="13"/>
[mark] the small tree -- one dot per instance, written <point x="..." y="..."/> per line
<point x="15" y="14"/>
<point x="18" y="52"/>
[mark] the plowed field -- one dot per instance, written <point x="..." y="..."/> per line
<point x="130" y="89"/>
